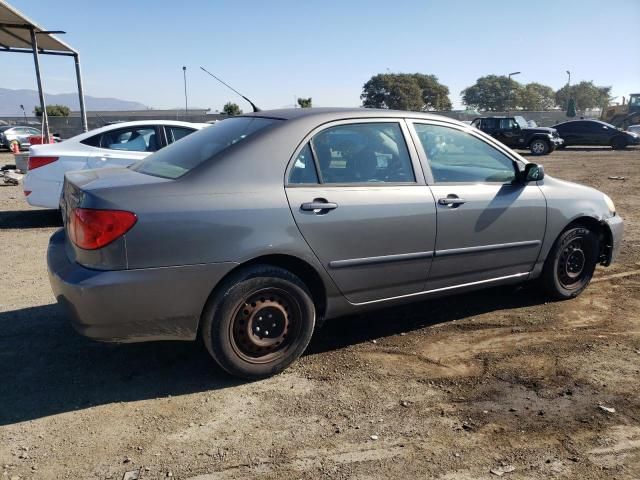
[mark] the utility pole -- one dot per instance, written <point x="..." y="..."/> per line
<point x="509" y="100"/>
<point x="568" y="89"/>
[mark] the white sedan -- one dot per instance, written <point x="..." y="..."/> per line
<point x="117" y="145"/>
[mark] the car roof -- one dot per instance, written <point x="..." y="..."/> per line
<point x="9" y="127"/>
<point x="592" y="120"/>
<point x="118" y="126"/>
<point x="336" y="113"/>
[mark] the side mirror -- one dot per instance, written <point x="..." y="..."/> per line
<point x="532" y="172"/>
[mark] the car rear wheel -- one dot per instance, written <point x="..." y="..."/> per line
<point x="540" y="147"/>
<point x="571" y="263"/>
<point x="259" y="322"/>
<point x="619" y="143"/>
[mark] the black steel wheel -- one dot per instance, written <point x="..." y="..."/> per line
<point x="571" y="263"/>
<point x="258" y="322"/>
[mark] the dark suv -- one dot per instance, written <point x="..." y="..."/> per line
<point x="514" y="132"/>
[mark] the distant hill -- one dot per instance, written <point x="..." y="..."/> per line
<point x="10" y="101"/>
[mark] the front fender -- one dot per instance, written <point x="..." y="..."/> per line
<point x="570" y="202"/>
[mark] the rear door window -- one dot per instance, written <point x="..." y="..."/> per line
<point x="363" y="153"/>
<point x="132" y="139"/>
<point x="181" y="157"/>
<point x="176" y="133"/>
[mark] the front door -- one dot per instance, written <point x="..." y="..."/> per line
<point x="489" y="224"/>
<point x="509" y="132"/>
<point x="364" y="209"/>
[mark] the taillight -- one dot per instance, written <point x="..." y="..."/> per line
<point x="37" y="162"/>
<point x="91" y="229"/>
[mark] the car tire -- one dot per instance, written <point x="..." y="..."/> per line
<point x="235" y="329"/>
<point x="539" y="147"/>
<point x="619" y="143"/>
<point x="570" y="264"/>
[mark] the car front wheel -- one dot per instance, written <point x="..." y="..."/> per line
<point x="258" y="322"/>
<point x="540" y="147"/>
<point x="571" y="263"/>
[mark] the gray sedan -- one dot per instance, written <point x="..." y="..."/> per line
<point x="255" y="230"/>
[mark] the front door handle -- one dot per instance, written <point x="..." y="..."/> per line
<point x="318" y="204"/>
<point x="451" y="201"/>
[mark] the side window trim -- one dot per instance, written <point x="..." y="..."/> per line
<point x="316" y="165"/>
<point x="414" y="156"/>
<point x="490" y="141"/>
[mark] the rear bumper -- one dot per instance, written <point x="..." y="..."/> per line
<point x="616" y="227"/>
<point x="44" y="193"/>
<point x="131" y="305"/>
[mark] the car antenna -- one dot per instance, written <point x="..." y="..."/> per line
<point x="255" y="109"/>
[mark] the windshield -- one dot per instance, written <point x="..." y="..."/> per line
<point x="522" y="123"/>
<point x="185" y="154"/>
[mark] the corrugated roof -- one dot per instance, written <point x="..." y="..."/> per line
<point x="15" y="32"/>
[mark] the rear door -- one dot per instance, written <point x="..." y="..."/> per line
<point x="489" y="225"/>
<point x="125" y="146"/>
<point x="359" y="198"/>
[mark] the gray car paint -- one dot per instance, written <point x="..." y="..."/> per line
<point x="379" y="247"/>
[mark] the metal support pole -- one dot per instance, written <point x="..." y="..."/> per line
<point x="83" y="112"/>
<point x="43" y="106"/>
<point x="186" y="105"/>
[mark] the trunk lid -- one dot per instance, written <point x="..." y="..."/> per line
<point x="102" y="189"/>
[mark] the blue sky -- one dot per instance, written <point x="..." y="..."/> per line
<point x="272" y="51"/>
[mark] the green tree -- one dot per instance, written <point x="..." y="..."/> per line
<point x="53" y="111"/>
<point x="405" y="91"/>
<point x="304" y="102"/>
<point x="571" y="108"/>
<point x="536" y="97"/>
<point x="231" y="109"/>
<point x="435" y="95"/>
<point x="492" y="92"/>
<point x="586" y="95"/>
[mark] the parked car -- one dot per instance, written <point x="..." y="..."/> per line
<point x="16" y="135"/>
<point x="595" y="133"/>
<point x="251" y="232"/>
<point x="114" y="145"/>
<point x="516" y="133"/>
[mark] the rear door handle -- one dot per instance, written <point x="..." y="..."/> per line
<point x="451" y="201"/>
<point x="318" y="204"/>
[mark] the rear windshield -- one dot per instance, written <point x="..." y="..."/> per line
<point x="182" y="156"/>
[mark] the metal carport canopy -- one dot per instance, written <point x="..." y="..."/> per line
<point x="19" y="34"/>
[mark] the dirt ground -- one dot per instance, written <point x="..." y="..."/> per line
<point x="448" y="389"/>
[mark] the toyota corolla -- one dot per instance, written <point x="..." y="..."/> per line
<point x="251" y="232"/>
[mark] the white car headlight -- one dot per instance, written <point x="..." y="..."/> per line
<point x="610" y="204"/>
